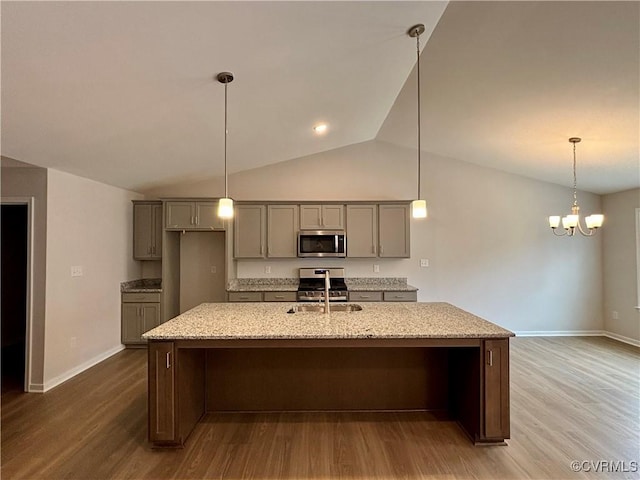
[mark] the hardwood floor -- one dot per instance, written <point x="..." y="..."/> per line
<point x="572" y="399"/>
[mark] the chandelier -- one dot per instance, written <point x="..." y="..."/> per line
<point x="571" y="223"/>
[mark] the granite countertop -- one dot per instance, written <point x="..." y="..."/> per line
<point x="263" y="285"/>
<point x="143" y="285"/>
<point x="374" y="284"/>
<point x="379" y="284"/>
<point x="234" y="321"/>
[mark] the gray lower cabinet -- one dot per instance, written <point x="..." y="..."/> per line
<point x="147" y="230"/>
<point x="192" y="215"/>
<point x="140" y="313"/>
<point x="384" y="296"/>
<point x="262" y="296"/>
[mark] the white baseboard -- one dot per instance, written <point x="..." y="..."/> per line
<point x="579" y="333"/>
<point x="54" y="382"/>
<point x="560" y="333"/>
<point x="622" y="338"/>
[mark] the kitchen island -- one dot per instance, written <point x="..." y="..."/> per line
<point x="387" y="357"/>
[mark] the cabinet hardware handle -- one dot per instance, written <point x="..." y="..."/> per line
<point x="364" y="296"/>
<point x="490" y="359"/>
<point x="261" y="249"/>
<point x="279" y="296"/>
<point x="373" y="249"/>
<point x="381" y="249"/>
<point x="168" y="360"/>
<point x="196" y="220"/>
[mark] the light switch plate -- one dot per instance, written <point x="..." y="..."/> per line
<point x="424" y="262"/>
<point x="76" y="271"/>
<point x="376" y="268"/>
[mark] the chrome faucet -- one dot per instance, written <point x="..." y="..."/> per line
<point x="327" y="284"/>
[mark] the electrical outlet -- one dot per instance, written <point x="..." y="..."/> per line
<point x="267" y="269"/>
<point x="376" y="268"/>
<point x="424" y="262"/>
<point x="214" y="269"/>
<point x="76" y="271"/>
<point x="614" y="315"/>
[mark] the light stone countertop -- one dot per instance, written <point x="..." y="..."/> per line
<point x="379" y="284"/>
<point x="142" y="285"/>
<point x="235" y="321"/>
<point x="356" y="284"/>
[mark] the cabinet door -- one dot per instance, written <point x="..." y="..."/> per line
<point x="496" y="389"/>
<point x="162" y="401"/>
<point x="133" y="324"/>
<point x="394" y="234"/>
<point x="151" y="315"/>
<point x="180" y="215"/>
<point x="156" y="240"/>
<point x="207" y="216"/>
<point x="310" y="217"/>
<point x="333" y="217"/>
<point x="143" y="231"/>
<point x="362" y="230"/>
<point x="282" y="231"/>
<point x="249" y="231"/>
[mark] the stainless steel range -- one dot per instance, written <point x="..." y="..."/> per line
<point x="312" y="285"/>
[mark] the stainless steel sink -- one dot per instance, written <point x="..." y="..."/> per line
<point x="341" y="307"/>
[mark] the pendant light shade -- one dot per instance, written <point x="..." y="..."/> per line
<point x="418" y="207"/>
<point x="225" y="205"/>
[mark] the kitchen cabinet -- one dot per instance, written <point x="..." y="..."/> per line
<point x="162" y="395"/>
<point x="362" y="230"/>
<point x="147" y="230"/>
<point x="140" y="313"/>
<point x="282" y="231"/>
<point x="249" y="231"/>
<point x="383" y="296"/>
<point x="270" y="296"/>
<point x="393" y="230"/>
<point x="322" y="217"/>
<point x="193" y="215"/>
<point x="496" y="389"/>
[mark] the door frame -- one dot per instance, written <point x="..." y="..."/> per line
<point x="29" y="202"/>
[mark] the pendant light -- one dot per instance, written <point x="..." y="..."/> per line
<point x="418" y="207"/>
<point x="572" y="221"/>
<point x="225" y="205"/>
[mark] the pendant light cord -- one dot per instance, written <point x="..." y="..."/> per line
<point x="575" y="181"/>
<point x="225" y="140"/>
<point x="419" y="126"/>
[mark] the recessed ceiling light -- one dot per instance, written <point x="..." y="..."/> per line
<point x="320" y="128"/>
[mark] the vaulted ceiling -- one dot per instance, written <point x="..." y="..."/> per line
<point x="125" y="92"/>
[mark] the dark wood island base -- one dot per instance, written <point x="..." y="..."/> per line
<point x="466" y="378"/>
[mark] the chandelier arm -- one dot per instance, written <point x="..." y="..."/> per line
<point x="559" y="234"/>
<point x="586" y="234"/>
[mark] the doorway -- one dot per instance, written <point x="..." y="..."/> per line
<point x="14" y="242"/>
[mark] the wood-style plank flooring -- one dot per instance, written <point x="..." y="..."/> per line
<point x="572" y="399"/>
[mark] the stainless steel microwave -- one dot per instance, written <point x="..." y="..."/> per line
<point x="322" y="243"/>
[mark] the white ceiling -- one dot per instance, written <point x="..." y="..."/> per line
<point x="124" y="92"/>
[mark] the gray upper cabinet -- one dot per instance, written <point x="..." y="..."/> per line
<point x="249" y="231"/>
<point x="282" y="231"/>
<point x="147" y="230"/>
<point x="322" y="217"/>
<point x="394" y="232"/>
<point x="193" y="215"/>
<point x="362" y="231"/>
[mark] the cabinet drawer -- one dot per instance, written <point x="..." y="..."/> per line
<point x="280" y="296"/>
<point x="400" y="296"/>
<point x="245" y="296"/>
<point x="365" y="296"/>
<point x="140" y="297"/>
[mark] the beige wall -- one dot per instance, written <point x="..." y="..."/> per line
<point x="621" y="264"/>
<point x="487" y="238"/>
<point x="20" y="181"/>
<point x="89" y="224"/>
